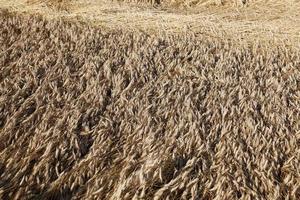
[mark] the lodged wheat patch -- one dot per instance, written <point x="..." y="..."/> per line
<point x="93" y="113"/>
<point x="54" y="4"/>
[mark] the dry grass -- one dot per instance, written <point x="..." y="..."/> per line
<point x="56" y="4"/>
<point x="271" y="20"/>
<point x="90" y="112"/>
<point x="187" y="4"/>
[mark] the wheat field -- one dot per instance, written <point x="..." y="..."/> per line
<point x="149" y="99"/>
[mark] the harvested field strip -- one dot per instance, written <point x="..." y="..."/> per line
<point x="93" y="113"/>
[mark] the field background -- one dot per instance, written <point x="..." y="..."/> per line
<point x="260" y="19"/>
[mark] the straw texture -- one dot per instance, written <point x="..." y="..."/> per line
<point x="90" y="111"/>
